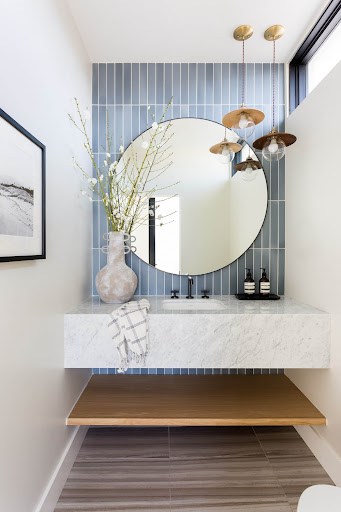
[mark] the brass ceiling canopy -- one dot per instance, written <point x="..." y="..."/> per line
<point x="248" y="162"/>
<point x="243" y="32"/>
<point x="274" y="32"/>
<point x="243" y="120"/>
<point x="233" y="146"/>
<point x="274" y="143"/>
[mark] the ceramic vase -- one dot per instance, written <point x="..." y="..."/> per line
<point x="116" y="282"/>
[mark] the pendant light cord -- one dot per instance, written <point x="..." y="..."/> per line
<point x="243" y="74"/>
<point x="273" y="83"/>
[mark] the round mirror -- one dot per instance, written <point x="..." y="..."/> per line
<point x="202" y="214"/>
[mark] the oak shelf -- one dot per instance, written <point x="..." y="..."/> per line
<point x="193" y="400"/>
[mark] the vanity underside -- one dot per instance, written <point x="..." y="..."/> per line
<point x="193" y="400"/>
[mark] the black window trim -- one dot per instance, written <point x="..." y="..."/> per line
<point x="314" y="40"/>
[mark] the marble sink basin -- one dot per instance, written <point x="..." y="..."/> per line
<point x="193" y="304"/>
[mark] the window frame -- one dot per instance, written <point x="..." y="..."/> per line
<point x="298" y="83"/>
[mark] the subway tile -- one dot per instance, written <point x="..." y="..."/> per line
<point x="250" y="85"/>
<point x="102" y="84"/>
<point x="225" y="83"/>
<point x="192" y="80"/>
<point x="274" y="270"/>
<point x="176" y="84"/>
<point x="127" y="85"/>
<point x="160" y="69"/>
<point x="168" y="82"/>
<point x="233" y="278"/>
<point x="160" y="283"/>
<point x="184" y="84"/>
<point x="266" y="84"/>
<point x="102" y="122"/>
<point x="143" y="84"/>
<point x="274" y="224"/>
<point x="127" y="119"/>
<point x="201" y="84"/>
<point x="151" y="84"/>
<point x="233" y="84"/>
<point x="135" y="83"/>
<point x="94" y="118"/>
<point x="95" y="84"/>
<point x="110" y="84"/>
<point x="217" y="84"/>
<point x="266" y="228"/>
<point x="209" y="84"/>
<point x="281" y="224"/>
<point x="281" y="271"/>
<point x="119" y="84"/>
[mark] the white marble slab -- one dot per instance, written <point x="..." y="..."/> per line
<point x="245" y="334"/>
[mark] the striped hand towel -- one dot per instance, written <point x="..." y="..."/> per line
<point x="129" y="326"/>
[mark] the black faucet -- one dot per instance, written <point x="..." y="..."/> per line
<point x="190" y="283"/>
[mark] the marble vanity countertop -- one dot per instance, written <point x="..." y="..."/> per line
<point x="284" y="306"/>
<point x="244" y="334"/>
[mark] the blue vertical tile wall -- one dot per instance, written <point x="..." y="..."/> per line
<point x="131" y="93"/>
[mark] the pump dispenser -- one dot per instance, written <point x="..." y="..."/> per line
<point x="249" y="283"/>
<point x="264" y="283"/>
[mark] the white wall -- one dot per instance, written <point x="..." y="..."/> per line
<point x="43" y="65"/>
<point x="313" y="247"/>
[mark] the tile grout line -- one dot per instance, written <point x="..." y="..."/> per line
<point x="275" y="476"/>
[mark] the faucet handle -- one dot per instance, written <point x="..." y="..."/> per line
<point x="174" y="294"/>
<point x="205" y="294"/>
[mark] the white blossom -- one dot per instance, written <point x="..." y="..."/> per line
<point x="148" y="108"/>
<point x="121" y="149"/>
<point x="90" y="199"/>
<point x="108" y="155"/>
<point x="83" y="193"/>
<point x="155" y="125"/>
<point x="144" y="144"/>
<point x="92" y="181"/>
<point x="101" y="177"/>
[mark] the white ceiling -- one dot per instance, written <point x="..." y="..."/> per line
<point x="189" y="30"/>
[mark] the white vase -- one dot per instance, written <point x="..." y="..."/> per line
<point x="116" y="282"/>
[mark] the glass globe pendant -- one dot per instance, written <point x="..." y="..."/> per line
<point x="274" y="143"/>
<point x="244" y="119"/>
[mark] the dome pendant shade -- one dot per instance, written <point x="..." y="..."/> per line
<point x="234" y="117"/>
<point x="249" y="162"/>
<point x="218" y="148"/>
<point x="287" y="138"/>
<point x="226" y="150"/>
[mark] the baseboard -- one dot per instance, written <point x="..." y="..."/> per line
<point x="324" y="453"/>
<point x="55" y="486"/>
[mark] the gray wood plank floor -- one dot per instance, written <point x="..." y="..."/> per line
<point x="190" y="469"/>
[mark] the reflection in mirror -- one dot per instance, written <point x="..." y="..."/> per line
<point x="203" y="214"/>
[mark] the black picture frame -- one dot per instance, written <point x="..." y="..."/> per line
<point x="38" y="206"/>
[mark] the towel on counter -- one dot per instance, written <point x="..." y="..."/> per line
<point x="129" y="326"/>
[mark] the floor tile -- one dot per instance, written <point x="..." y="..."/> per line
<point x="105" y="444"/>
<point x="201" y="442"/>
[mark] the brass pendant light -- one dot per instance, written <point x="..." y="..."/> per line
<point x="243" y="120"/>
<point x="248" y="168"/>
<point x="225" y="150"/>
<point x="274" y="143"/>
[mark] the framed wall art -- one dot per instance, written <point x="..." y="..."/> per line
<point x="22" y="193"/>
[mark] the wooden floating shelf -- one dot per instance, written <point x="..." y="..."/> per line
<point x="193" y="400"/>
